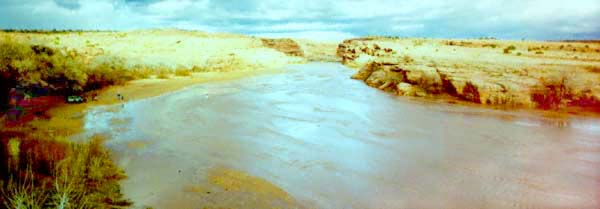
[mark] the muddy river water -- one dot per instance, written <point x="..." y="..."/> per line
<point x="313" y="138"/>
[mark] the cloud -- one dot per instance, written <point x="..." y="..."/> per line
<point x="535" y="19"/>
<point x="72" y="5"/>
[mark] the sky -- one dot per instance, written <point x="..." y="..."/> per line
<point x="319" y="19"/>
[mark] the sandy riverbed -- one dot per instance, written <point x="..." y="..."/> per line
<point x="313" y="138"/>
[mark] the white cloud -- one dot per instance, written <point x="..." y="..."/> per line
<point x="542" y="19"/>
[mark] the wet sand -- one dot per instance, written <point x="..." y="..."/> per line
<point x="313" y="138"/>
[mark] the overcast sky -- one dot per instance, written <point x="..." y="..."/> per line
<point x="321" y="19"/>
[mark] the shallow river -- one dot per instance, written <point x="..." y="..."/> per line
<point x="332" y="142"/>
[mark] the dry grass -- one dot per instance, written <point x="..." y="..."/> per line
<point x="44" y="169"/>
<point x="57" y="173"/>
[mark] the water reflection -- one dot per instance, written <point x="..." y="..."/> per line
<point x="332" y="142"/>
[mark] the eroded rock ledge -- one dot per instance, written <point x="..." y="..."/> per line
<point x="546" y="75"/>
<point x="285" y="45"/>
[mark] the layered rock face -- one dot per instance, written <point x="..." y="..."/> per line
<point x="547" y="75"/>
<point x="285" y="45"/>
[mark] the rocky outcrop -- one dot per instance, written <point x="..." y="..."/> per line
<point x="285" y="45"/>
<point x="506" y="80"/>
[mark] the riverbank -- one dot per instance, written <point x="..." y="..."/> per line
<point x="274" y="141"/>
<point x="39" y="158"/>
<point x="140" y="66"/>
<point x="47" y="138"/>
<point x="556" y="76"/>
<point x="66" y="119"/>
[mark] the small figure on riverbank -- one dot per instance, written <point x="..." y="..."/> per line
<point x="120" y="97"/>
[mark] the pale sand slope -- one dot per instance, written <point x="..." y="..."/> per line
<point x="535" y="74"/>
<point x="236" y="56"/>
<point x="169" y="48"/>
<point x="322" y="51"/>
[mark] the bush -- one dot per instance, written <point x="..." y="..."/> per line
<point x="141" y="72"/>
<point x="56" y="173"/>
<point x="182" y="71"/>
<point x="551" y="92"/>
<point x="108" y="73"/>
<point x="493" y="46"/>
<point x="508" y="49"/>
<point x="40" y="65"/>
<point x="198" y="69"/>
<point x="162" y="73"/>
<point x="63" y="71"/>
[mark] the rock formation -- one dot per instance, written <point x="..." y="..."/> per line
<point x="476" y="72"/>
<point x="285" y="45"/>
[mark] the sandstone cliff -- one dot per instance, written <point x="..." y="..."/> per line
<point x="285" y="45"/>
<point x="547" y="75"/>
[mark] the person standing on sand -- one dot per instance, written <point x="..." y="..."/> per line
<point x="121" y="99"/>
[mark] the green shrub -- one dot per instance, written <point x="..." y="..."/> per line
<point x="198" y="69"/>
<point x="182" y="71"/>
<point x="57" y="173"/>
<point x="141" y="72"/>
<point x="493" y="46"/>
<point x="508" y="49"/>
<point x="27" y="65"/>
<point x="162" y="72"/>
<point x="552" y="92"/>
<point x="108" y="72"/>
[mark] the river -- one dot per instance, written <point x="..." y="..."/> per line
<point x="332" y="142"/>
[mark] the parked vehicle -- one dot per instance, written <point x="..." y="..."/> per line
<point x="74" y="99"/>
